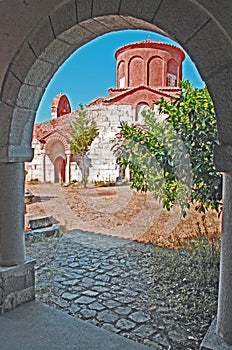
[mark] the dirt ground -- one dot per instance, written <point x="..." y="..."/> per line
<point x="117" y="210"/>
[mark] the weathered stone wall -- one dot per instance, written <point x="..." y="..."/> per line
<point x="17" y="285"/>
<point x="103" y="160"/>
<point x="103" y="165"/>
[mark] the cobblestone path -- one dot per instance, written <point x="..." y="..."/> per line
<point x="111" y="282"/>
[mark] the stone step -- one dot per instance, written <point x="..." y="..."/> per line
<point x="39" y="327"/>
<point x="40" y="222"/>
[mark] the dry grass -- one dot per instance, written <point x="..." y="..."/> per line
<point x="169" y="230"/>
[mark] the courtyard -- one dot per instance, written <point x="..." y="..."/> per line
<point x="102" y="267"/>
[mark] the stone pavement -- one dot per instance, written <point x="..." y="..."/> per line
<point x="109" y="282"/>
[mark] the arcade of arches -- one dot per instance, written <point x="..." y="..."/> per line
<point x="36" y="38"/>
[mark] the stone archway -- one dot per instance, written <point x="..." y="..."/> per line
<point x="58" y="37"/>
<point x="41" y="44"/>
<point x="55" y="161"/>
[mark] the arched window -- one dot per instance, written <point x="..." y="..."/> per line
<point x="141" y="107"/>
<point x="172" y="73"/>
<point x="121" y="75"/>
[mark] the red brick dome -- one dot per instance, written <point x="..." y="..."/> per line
<point x="149" y="63"/>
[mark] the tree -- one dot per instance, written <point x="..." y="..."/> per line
<point x="83" y="132"/>
<point x="174" y="157"/>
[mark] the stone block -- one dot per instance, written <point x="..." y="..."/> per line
<point x="17" y="285"/>
<point x="41" y="222"/>
<point x="41" y="37"/>
<point x="64" y="17"/>
<point x="29" y="96"/>
<point x="40" y="73"/>
<point x="5" y="119"/>
<point x="3" y="154"/>
<point x="140" y="9"/>
<point x="11" y="89"/>
<point x="221" y="94"/>
<point x="209" y="55"/>
<point x="223" y="158"/>
<point x="21" y="153"/>
<point x="136" y="23"/>
<point x="105" y="7"/>
<point x="57" y="52"/>
<point x="95" y="27"/>
<point x="46" y="231"/>
<point x="22" y="119"/>
<point x="192" y="18"/>
<point x="84" y="9"/>
<point x="219" y="12"/>
<point x="77" y="36"/>
<point x="24" y="59"/>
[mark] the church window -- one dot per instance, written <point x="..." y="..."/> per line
<point x="141" y="107"/>
<point x="171" y="78"/>
<point x="122" y="83"/>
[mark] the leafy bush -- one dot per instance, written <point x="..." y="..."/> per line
<point x="173" y="157"/>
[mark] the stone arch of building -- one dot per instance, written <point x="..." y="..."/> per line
<point x="61" y="35"/>
<point x="43" y="43"/>
<point x="55" y="148"/>
<point x="55" y="160"/>
<point x="56" y="137"/>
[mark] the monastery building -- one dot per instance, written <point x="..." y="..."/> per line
<point x="145" y="72"/>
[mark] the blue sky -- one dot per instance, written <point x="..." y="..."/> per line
<point x="91" y="70"/>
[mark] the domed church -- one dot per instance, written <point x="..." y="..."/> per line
<point x="145" y="72"/>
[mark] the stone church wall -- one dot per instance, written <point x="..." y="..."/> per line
<point x="102" y="160"/>
<point x="103" y="165"/>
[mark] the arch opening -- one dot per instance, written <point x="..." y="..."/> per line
<point x="31" y="90"/>
<point x="59" y="169"/>
<point x="139" y="107"/>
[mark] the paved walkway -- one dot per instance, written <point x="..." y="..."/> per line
<point x="110" y="282"/>
<point x="116" y="283"/>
